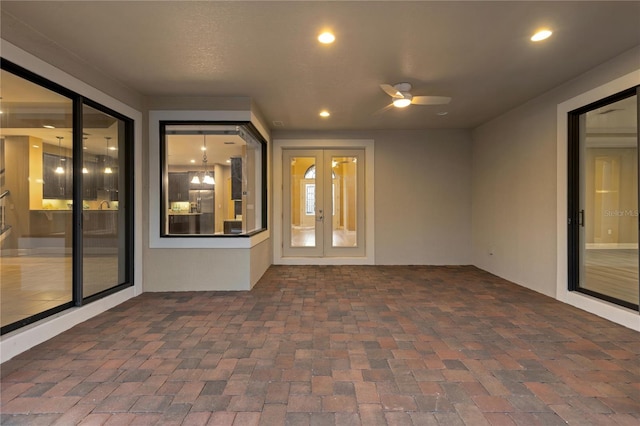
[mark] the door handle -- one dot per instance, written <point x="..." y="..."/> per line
<point x="581" y="218"/>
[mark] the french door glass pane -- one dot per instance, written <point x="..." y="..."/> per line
<point x="103" y="234"/>
<point x="609" y="238"/>
<point x="344" y="201"/>
<point x="303" y="201"/>
<point x="36" y="189"/>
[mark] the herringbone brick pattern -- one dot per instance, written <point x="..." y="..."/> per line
<point x="334" y="345"/>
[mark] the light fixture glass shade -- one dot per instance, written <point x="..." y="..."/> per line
<point x="401" y="102"/>
<point x="108" y="171"/>
<point x="195" y="180"/>
<point x="59" y="170"/>
<point x="208" y="179"/>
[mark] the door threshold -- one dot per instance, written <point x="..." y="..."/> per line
<point x="323" y="261"/>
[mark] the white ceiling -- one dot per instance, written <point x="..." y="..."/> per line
<point x="477" y="52"/>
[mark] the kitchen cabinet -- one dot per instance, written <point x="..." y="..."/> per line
<point x="60" y="186"/>
<point x="107" y="182"/>
<point x="187" y="223"/>
<point x="178" y="187"/>
<point x="90" y="181"/>
<point x="233" y="227"/>
<point x="236" y="178"/>
<point x="57" y="186"/>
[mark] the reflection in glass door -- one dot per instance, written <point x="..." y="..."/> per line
<point x="65" y="199"/>
<point x="36" y="188"/>
<point x="323" y="203"/>
<point x="604" y="219"/>
<point x="103" y="234"/>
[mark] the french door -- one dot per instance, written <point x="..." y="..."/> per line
<point x="323" y="203"/>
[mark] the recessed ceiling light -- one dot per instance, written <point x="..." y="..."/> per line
<point x="326" y="38"/>
<point x="48" y="126"/>
<point x="203" y="148"/>
<point x="541" y="35"/>
<point x="324" y="113"/>
<point x="229" y="161"/>
<point x="442" y="113"/>
<point x="36" y="146"/>
<point x="192" y="161"/>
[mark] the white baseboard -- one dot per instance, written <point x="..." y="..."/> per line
<point x="611" y="246"/>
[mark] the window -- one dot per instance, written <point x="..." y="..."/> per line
<point x="65" y="165"/>
<point x="213" y="177"/>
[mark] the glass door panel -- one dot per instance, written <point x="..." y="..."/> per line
<point x="303" y="212"/>
<point x="103" y="236"/>
<point x="344" y="232"/>
<point x="36" y="187"/>
<point x="323" y="203"/>
<point x="608" y="215"/>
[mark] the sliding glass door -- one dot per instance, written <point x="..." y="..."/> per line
<point x="603" y="216"/>
<point x="104" y="197"/>
<point x="65" y="206"/>
<point x="36" y="242"/>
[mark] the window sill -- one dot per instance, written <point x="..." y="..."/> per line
<point x="222" y="241"/>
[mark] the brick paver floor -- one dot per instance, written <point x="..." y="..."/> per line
<point x="334" y="345"/>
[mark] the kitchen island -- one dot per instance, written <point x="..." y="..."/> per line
<point x="184" y="223"/>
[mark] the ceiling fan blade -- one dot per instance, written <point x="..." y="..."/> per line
<point x="430" y="100"/>
<point x="390" y="90"/>
<point x="382" y="110"/>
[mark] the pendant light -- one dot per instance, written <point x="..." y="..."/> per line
<point x="196" y="179"/>
<point x="84" y="169"/>
<point x="206" y="177"/>
<point x="59" y="170"/>
<point x="107" y="168"/>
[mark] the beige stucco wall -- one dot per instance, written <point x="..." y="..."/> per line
<point x="422" y="194"/>
<point x="195" y="269"/>
<point x="514" y="190"/>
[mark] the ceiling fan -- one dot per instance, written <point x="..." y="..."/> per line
<point x="402" y="98"/>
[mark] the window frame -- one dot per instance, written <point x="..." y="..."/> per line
<point x="163" y="180"/>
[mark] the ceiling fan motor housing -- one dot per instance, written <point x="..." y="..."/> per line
<point x="403" y="87"/>
<point x="405" y="95"/>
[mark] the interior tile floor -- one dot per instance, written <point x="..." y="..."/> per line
<point x="613" y="272"/>
<point x="306" y="237"/>
<point x="33" y="284"/>
<point x="334" y="345"/>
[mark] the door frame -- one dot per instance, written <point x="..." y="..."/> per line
<point x="617" y="314"/>
<point x="278" y="146"/>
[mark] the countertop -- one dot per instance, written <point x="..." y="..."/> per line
<point x="69" y="210"/>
